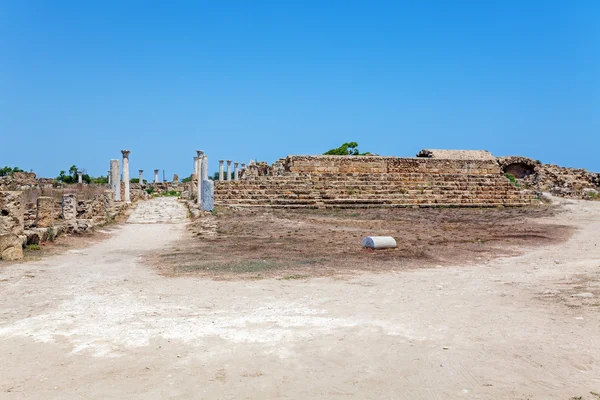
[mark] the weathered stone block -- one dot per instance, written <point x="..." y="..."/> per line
<point x="11" y="247"/>
<point x="45" y="212"/>
<point x="69" y="207"/>
<point x="11" y="212"/>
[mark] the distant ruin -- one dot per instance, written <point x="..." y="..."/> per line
<point x="435" y="178"/>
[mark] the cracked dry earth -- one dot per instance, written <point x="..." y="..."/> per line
<point x="95" y="323"/>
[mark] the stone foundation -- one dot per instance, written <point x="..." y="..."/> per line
<point x="373" y="181"/>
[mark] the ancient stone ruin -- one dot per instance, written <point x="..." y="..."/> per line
<point x="434" y="179"/>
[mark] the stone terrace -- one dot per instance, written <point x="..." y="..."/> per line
<point x="374" y="181"/>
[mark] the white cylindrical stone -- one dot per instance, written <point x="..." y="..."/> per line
<point x="115" y="178"/>
<point x="141" y="171"/>
<point x="236" y="171"/>
<point x="379" y="242"/>
<point x="125" y="153"/>
<point x="79" y="177"/>
<point x="156" y="176"/>
<point x="221" y="173"/>
<point x="228" y="178"/>
<point x="108" y="175"/>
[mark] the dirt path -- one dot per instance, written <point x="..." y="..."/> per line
<point x="96" y="323"/>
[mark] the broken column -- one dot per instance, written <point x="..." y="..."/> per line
<point x="115" y="179"/>
<point x="208" y="195"/>
<point x="243" y="171"/>
<point x="79" y="177"/>
<point x="199" y="176"/>
<point x="156" y="176"/>
<point x="108" y="176"/>
<point x="45" y="212"/>
<point x="69" y="208"/>
<point x="12" y="215"/>
<point x="228" y="170"/>
<point x="236" y="172"/>
<point x="220" y="170"/>
<point x="109" y="203"/>
<point x="127" y="196"/>
<point x="193" y="188"/>
<point x="141" y="179"/>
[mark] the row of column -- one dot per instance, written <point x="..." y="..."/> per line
<point x="236" y="174"/>
<point x="114" y="177"/>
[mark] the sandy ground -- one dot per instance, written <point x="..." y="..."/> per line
<point x="96" y="323"/>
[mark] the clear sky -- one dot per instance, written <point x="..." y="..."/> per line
<point x="81" y="80"/>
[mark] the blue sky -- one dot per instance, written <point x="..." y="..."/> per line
<point x="80" y="80"/>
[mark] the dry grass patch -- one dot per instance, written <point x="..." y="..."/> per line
<point x="292" y="243"/>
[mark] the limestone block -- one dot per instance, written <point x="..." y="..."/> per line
<point x="11" y="247"/>
<point x="69" y="207"/>
<point x="208" y="195"/>
<point x="12" y="213"/>
<point x="45" y="212"/>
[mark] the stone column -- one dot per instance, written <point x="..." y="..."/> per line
<point x="221" y="170"/>
<point x="125" y="153"/>
<point x="228" y="178"/>
<point x="79" y="177"/>
<point x="44" y="217"/>
<point x="193" y="187"/>
<point x="141" y="171"/>
<point x="243" y="171"/>
<point x="108" y="176"/>
<point x="156" y="176"/>
<point x="115" y="179"/>
<point x="236" y="171"/>
<point x="204" y="168"/>
<point x="69" y="208"/>
<point x="199" y="177"/>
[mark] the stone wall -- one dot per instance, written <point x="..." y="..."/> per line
<point x="385" y="165"/>
<point x="373" y="181"/>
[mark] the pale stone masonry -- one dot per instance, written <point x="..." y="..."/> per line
<point x="125" y="153"/>
<point x="228" y="170"/>
<point x="156" y="176"/>
<point x="141" y="179"/>
<point x="79" y="177"/>
<point x="236" y="172"/>
<point x="115" y="179"/>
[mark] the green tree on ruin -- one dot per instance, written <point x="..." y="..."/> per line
<point x="346" y="149"/>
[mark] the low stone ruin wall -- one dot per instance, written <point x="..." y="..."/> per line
<point x="24" y="224"/>
<point x="560" y="181"/>
<point x="373" y="181"/>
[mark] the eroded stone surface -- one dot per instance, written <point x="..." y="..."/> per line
<point x="11" y="212"/>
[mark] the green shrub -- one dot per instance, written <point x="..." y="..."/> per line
<point x="34" y="247"/>
<point x="51" y="234"/>
<point x="150" y="190"/>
